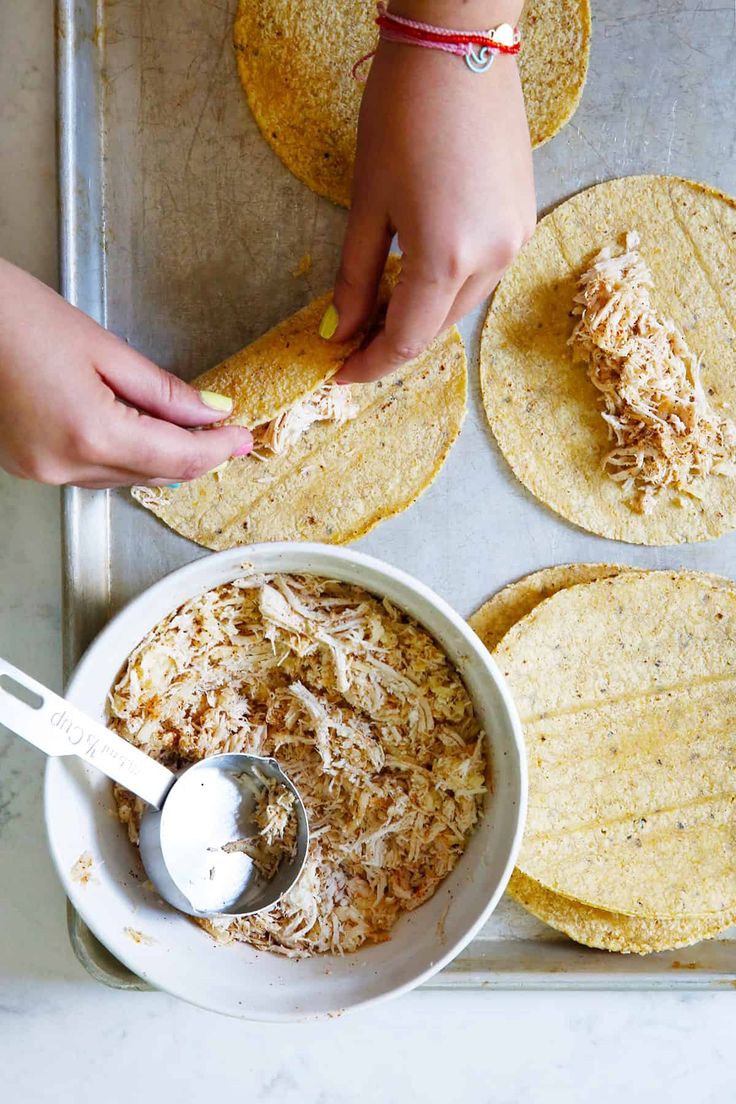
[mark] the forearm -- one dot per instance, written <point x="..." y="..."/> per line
<point x="443" y="160"/>
<point x="461" y="14"/>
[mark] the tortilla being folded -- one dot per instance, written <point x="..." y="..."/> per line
<point x="295" y="63"/>
<point x="338" y="480"/>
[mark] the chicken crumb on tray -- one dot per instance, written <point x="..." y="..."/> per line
<point x="82" y="870"/>
<point x="365" y="714"/>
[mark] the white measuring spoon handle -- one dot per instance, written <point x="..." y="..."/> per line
<point x="55" y="726"/>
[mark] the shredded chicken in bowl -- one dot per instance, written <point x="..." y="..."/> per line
<point x="364" y="712"/>
<point x="275" y="821"/>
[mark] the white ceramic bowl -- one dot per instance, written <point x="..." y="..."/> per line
<point x="173" y="954"/>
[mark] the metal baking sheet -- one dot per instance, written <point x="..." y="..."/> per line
<point x="182" y="232"/>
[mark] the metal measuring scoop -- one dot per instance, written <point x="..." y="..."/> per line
<point x="190" y="834"/>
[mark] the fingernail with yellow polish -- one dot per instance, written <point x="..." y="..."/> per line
<point x="330" y="322"/>
<point x="221" y="403"/>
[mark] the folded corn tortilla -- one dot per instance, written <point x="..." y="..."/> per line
<point x="337" y="481"/>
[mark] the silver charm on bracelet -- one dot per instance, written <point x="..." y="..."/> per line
<point x="480" y="61"/>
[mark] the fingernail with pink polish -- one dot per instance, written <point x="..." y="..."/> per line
<point x="243" y="450"/>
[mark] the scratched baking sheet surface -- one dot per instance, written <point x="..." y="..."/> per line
<point x="201" y="233"/>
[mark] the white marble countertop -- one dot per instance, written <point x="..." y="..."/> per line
<point x="64" y="1038"/>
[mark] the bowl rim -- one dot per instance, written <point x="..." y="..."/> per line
<point x="213" y="570"/>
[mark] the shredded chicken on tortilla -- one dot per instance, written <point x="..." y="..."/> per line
<point x="365" y="714"/>
<point x="665" y="432"/>
<point x="329" y="403"/>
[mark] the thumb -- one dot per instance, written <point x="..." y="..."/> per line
<point x="144" y="385"/>
<point x="364" y="251"/>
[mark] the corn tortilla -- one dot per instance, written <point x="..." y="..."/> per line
<point x="288" y="362"/>
<point x="496" y="616"/>
<point x="593" y="927"/>
<point x="279" y="368"/>
<point x="295" y="63"/>
<point x="543" y="410"/>
<point x="625" y="689"/>
<point x="613" y="931"/>
<point x="338" y="481"/>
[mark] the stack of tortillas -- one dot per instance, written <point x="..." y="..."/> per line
<point x="296" y="60"/>
<point x="624" y="681"/>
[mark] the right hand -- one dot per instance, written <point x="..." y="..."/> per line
<point x="444" y="160"/>
<point x="78" y="406"/>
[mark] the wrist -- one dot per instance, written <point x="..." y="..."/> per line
<point x="459" y="14"/>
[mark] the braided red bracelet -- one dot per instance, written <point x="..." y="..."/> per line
<point x="479" y="48"/>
